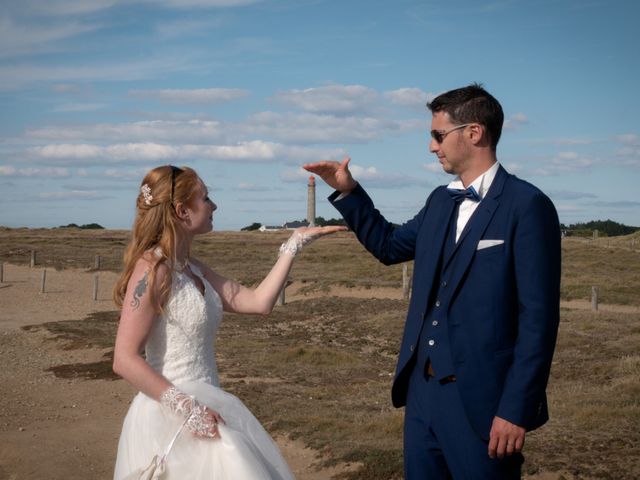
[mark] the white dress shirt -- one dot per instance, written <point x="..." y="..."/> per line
<point x="468" y="206"/>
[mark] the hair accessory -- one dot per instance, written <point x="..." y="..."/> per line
<point x="145" y="190"/>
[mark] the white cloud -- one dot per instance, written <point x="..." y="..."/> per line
<point x="22" y="75"/>
<point x="565" y="162"/>
<point x="297" y="128"/>
<point x="251" y="151"/>
<point x="370" y="176"/>
<point x="250" y="187"/>
<point x="190" y="131"/>
<point x="629" y="154"/>
<point x="628" y="139"/>
<point x="515" y="121"/>
<point x="572" y="141"/>
<point x="630" y="204"/>
<point x="337" y="99"/>
<point x="182" y="28"/>
<point x="136" y="174"/>
<point x="569" y="195"/>
<point x="515" y="168"/>
<point x="197" y="96"/>
<point x="294" y="175"/>
<point x="66" y="88"/>
<point x="66" y="151"/>
<point x="433" y="167"/>
<point x="409" y="97"/>
<point x="19" y="39"/>
<point x="79" y="107"/>
<point x="62" y="8"/>
<point x="72" y="195"/>
<point x="11" y="171"/>
<point x="204" y="3"/>
<point x="322" y="128"/>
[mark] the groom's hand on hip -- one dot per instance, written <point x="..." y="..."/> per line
<point x="335" y="174"/>
<point x="505" y="438"/>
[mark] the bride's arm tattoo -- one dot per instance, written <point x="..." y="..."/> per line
<point x="139" y="291"/>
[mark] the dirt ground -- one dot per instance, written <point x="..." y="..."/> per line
<point x="56" y="428"/>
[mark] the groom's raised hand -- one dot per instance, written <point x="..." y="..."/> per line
<point x="335" y="174"/>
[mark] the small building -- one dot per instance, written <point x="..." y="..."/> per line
<point x="270" y="228"/>
<point x="295" y="224"/>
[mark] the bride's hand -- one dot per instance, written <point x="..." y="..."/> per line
<point x="304" y="235"/>
<point x="203" y="422"/>
<point x="316" y="232"/>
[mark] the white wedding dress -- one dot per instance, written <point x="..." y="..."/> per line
<point x="181" y="347"/>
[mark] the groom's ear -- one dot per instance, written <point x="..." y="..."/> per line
<point x="478" y="134"/>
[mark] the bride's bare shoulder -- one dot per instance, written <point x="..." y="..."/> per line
<point x="148" y="261"/>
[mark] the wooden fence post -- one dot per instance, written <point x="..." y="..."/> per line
<point x="43" y="279"/>
<point x="95" y="287"/>
<point x="33" y="259"/>
<point x="594" y="299"/>
<point x="595" y="234"/>
<point x="405" y="281"/>
<point x="96" y="263"/>
<point x="280" y="301"/>
<point x="1" y="272"/>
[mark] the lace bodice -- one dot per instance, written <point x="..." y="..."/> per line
<point x="181" y="343"/>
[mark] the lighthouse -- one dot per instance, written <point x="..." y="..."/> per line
<point x="311" y="201"/>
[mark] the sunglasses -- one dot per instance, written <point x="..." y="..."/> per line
<point x="438" y="135"/>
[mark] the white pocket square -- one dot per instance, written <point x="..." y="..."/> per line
<point x="482" y="244"/>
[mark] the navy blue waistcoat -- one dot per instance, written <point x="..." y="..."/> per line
<point x="434" y="343"/>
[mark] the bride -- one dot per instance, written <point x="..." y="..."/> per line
<point x="171" y="306"/>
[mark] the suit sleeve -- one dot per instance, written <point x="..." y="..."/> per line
<point x="387" y="242"/>
<point x="537" y="251"/>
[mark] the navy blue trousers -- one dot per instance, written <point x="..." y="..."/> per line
<point x="439" y="442"/>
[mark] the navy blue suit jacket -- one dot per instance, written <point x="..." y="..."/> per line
<point x="504" y="300"/>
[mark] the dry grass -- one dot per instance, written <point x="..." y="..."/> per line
<point x="609" y="264"/>
<point x="320" y="369"/>
<point x="594" y="394"/>
<point x="325" y="367"/>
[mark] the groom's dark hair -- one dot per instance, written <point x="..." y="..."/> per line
<point x="472" y="104"/>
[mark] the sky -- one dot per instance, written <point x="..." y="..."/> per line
<point x="95" y="93"/>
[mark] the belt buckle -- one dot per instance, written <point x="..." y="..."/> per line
<point x="430" y="371"/>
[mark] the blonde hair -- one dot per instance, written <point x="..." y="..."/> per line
<point x="154" y="228"/>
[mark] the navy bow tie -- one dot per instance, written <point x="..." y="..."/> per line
<point x="459" y="194"/>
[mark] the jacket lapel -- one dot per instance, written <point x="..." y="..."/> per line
<point x="465" y="248"/>
<point x="443" y="223"/>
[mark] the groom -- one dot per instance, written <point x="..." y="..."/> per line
<point x="483" y="317"/>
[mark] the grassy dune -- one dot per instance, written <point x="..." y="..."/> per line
<point x="320" y="368"/>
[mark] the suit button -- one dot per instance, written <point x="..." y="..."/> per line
<point x="434" y="323"/>
<point x="437" y="303"/>
<point x="444" y="283"/>
<point x="432" y="343"/>
<point x="411" y="348"/>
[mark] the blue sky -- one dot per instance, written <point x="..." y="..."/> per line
<point x="95" y="93"/>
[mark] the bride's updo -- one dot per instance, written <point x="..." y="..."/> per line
<point x="154" y="227"/>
